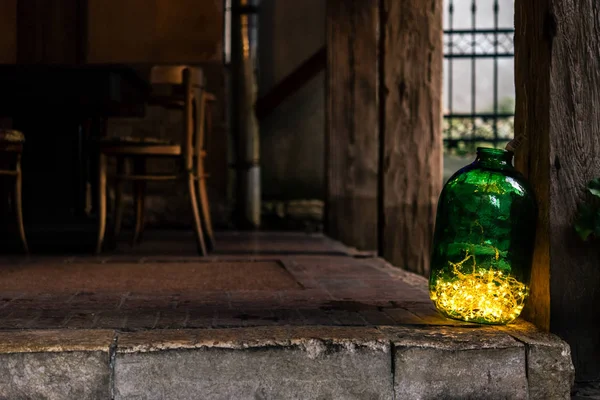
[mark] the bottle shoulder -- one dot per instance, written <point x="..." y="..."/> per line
<point x="500" y="180"/>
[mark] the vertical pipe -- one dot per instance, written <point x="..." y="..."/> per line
<point x="243" y="120"/>
<point x="231" y="138"/>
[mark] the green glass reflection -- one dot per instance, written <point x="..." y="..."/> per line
<point x="483" y="243"/>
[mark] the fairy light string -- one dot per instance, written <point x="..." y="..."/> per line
<point x="485" y="295"/>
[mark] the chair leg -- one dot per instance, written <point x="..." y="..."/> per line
<point x="139" y="199"/>
<point x="197" y="226"/>
<point x="204" y="205"/>
<point x="19" y="206"/>
<point x="101" y="202"/>
<point x="123" y="168"/>
<point x="10" y="202"/>
<point x="201" y="176"/>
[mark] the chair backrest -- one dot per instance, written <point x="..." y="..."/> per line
<point x="173" y="75"/>
<point x="191" y="80"/>
<point x="11" y="136"/>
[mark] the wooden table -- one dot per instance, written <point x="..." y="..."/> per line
<point x="61" y="109"/>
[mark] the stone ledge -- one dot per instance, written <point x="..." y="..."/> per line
<point x="56" y="341"/>
<point x="252" y="338"/>
<point x="425" y="362"/>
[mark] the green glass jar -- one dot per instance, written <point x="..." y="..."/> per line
<point x="483" y="243"/>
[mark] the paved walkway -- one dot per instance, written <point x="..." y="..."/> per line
<point x="301" y="299"/>
<point x="260" y="279"/>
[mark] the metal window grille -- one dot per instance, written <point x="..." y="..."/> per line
<point x="471" y="40"/>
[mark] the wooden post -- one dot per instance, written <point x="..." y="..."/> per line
<point x="51" y="31"/>
<point x="384" y="139"/>
<point x="8" y="31"/>
<point x="557" y="67"/>
<point x="352" y="138"/>
<point x="411" y="129"/>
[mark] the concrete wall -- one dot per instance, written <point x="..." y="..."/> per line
<point x="293" y="137"/>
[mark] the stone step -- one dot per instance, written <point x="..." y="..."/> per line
<point x="285" y="362"/>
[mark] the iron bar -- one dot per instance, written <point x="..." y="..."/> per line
<point x="491" y="55"/>
<point x="450" y="65"/>
<point x="496" y="11"/>
<point x="473" y="68"/>
<point x="488" y="115"/>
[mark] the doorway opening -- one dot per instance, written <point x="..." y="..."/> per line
<point x="479" y="91"/>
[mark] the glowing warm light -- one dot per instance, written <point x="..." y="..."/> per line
<point x="482" y="295"/>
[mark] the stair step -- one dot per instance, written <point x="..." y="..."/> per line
<point x="285" y="362"/>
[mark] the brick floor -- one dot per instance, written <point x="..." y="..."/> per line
<point x="298" y="280"/>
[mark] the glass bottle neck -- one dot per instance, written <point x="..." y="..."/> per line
<point x="494" y="158"/>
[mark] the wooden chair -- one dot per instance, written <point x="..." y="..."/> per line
<point x="11" y="149"/>
<point x="190" y="97"/>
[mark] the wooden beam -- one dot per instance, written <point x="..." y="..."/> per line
<point x="352" y="138"/>
<point x="157" y="31"/>
<point x="8" y="31"/>
<point x="291" y="83"/>
<point x="557" y="72"/>
<point x="50" y="31"/>
<point x="411" y="132"/>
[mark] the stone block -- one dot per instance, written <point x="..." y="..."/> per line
<point x="54" y="376"/>
<point x="267" y="366"/>
<point x="458" y="363"/>
<point x="55" y="365"/>
<point x="550" y="370"/>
